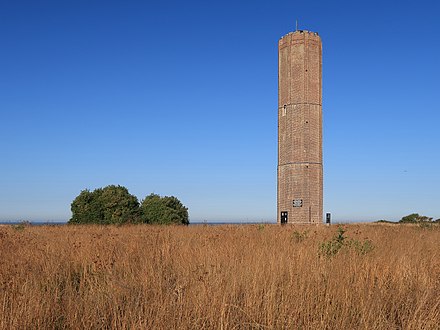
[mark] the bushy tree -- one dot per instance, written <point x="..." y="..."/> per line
<point x="115" y="205"/>
<point x="415" y="218"/>
<point x="108" y="205"/>
<point x="86" y="208"/>
<point x="118" y="205"/>
<point x="163" y="210"/>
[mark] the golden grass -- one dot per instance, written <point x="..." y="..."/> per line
<point x="217" y="277"/>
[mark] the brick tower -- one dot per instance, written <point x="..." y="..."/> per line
<point x="300" y="189"/>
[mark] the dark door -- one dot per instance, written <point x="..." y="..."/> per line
<point x="283" y="217"/>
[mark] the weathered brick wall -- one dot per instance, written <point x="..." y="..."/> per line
<point x="300" y="127"/>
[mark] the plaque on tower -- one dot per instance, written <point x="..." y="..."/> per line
<point x="297" y="203"/>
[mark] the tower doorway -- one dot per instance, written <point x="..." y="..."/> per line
<point x="284" y="217"/>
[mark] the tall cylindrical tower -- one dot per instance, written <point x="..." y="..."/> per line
<point x="300" y="179"/>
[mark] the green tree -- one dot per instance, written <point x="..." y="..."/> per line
<point x="163" y="210"/>
<point x="86" y="207"/>
<point x="118" y="205"/>
<point x="415" y="218"/>
<point x="108" y="205"/>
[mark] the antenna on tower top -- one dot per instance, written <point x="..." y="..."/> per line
<point x="296" y="28"/>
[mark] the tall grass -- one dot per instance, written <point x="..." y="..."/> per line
<point x="220" y="277"/>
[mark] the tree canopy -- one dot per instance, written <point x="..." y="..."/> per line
<point x="115" y="205"/>
<point x="163" y="210"/>
<point x="111" y="204"/>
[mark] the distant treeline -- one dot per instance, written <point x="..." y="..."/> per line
<point x="413" y="218"/>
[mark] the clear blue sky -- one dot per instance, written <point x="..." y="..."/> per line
<point x="180" y="98"/>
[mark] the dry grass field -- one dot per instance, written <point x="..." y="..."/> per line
<point x="220" y="277"/>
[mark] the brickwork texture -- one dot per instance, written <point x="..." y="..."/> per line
<point x="300" y="175"/>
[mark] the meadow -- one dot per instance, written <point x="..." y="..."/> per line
<point x="372" y="276"/>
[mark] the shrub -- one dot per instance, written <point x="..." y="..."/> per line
<point x="361" y="247"/>
<point x="108" y="205"/>
<point x="338" y="242"/>
<point x="332" y="247"/>
<point x="415" y="218"/>
<point x="163" y="210"/>
<point x="386" y="221"/>
<point x="115" y="205"/>
<point x="298" y="237"/>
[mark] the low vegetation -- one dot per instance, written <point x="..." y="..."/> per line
<point x="340" y="243"/>
<point x="219" y="277"/>
<point x="413" y="218"/>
